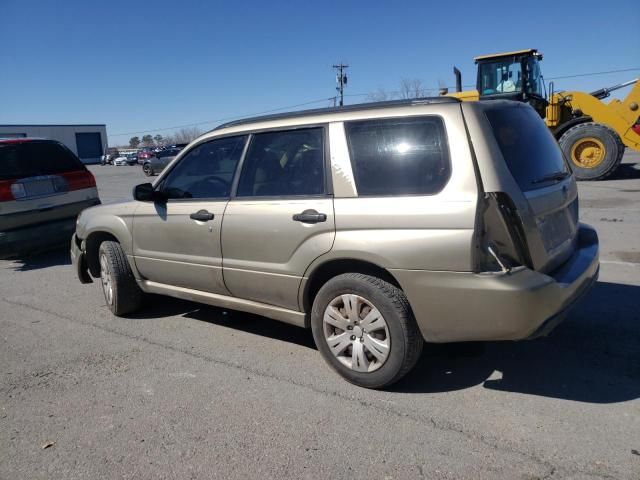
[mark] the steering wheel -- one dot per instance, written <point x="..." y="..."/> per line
<point x="211" y="180"/>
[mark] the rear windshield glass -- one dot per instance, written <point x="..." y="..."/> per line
<point x="530" y="151"/>
<point x="30" y="159"/>
<point x="399" y="156"/>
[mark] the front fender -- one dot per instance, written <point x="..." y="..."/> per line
<point x="114" y="219"/>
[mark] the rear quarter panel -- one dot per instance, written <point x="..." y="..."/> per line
<point x="422" y="232"/>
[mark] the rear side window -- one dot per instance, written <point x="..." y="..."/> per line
<point x="168" y="153"/>
<point x="407" y="156"/>
<point x="30" y="159"/>
<point x="528" y="147"/>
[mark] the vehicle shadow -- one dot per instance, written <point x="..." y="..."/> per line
<point x="626" y="171"/>
<point x="52" y="257"/>
<point x="594" y="356"/>
<point x="159" y="306"/>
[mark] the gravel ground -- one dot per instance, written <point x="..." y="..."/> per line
<point x="189" y="391"/>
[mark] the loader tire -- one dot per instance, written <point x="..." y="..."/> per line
<point x="594" y="150"/>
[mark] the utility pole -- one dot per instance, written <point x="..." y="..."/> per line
<point x="341" y="78"/>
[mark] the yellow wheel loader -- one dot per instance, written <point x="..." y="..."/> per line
<point x="592" y="134"/>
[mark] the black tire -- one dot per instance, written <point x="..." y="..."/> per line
<point x="126" y="296"/>
<point x="147" y="169"/>
<point x="405" y="338"/>
<point x="613" y="148"/>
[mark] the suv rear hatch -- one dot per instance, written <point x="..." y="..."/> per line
<point x="531" y="186"/>
<point x="41" y="180"/>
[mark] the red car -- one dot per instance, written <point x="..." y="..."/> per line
<point x="145" y="154"/>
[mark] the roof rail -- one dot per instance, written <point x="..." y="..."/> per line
<point x="347" y="108"/>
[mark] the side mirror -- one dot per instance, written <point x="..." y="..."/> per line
<point x="145" y="193"/>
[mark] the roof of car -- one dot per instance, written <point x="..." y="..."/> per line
<point x="339" y="110"/>
<point x="22" y="139"/>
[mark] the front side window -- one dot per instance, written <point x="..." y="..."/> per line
<point x="284" y="163"/>
<point x="534" y="81"/>
<point x="404" y="156"/>
<point x="206" y="171"/>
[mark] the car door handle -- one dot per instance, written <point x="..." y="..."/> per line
<point x="310" y="216"/>
<point x="202" y="216"/>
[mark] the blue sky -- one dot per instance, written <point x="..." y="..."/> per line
<point x="139" y="66"/>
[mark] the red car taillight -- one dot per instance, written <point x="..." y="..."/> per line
<point x="5" y="190"/>
<point x="636" y="127"/>
<point x="79" y="179"/>
<point x="64" y="182"/>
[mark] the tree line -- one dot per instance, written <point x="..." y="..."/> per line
<point x="184" y="135"/>
<point x="408" y="88"/>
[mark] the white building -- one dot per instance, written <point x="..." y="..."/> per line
<point x="89" y="142"/>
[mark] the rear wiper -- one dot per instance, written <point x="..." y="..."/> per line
<point x="552" y="176"/>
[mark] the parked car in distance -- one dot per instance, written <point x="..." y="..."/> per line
<point x="107" y="158"/>
<point x="145" y="154"/>
<point x="156" y="164"/>
<point x="121" y="160"/>
<point x="132" y="158"/>
<point x="379" y="226"/>
<point x="43" y="187"/>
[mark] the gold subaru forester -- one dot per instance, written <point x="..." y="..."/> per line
<point x="379" y="226"/>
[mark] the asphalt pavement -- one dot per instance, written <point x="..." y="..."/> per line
<point x="182" y="390"/>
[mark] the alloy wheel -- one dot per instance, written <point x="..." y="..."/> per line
<point x="356" y="333"/>
<point x="106" y="279"/>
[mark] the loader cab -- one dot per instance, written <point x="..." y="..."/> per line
<point x="512" y="76"/>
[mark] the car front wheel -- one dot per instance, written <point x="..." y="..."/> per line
<point x="146" y="168"/>
<point x="121" y="292"/>
<point x="364" y="328"/>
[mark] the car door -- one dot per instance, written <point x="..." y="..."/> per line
<point x="177" y="241"/>
<point x="281" y="217"/>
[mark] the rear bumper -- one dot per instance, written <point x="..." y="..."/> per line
<point x="26" y="240"/>
<point x="25" y="232"/>
<point x="452" y="306"/>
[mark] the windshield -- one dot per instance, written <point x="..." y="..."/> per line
<point x="510" y="75"/>
<point x="528" y="147"/>
<point x="500" y="76"/>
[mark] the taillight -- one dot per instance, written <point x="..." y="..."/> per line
<point x="636" y="127"/>
<point x="502" y="243"/>
<point x="79" y="179"/>
<point x="6" y="193"/>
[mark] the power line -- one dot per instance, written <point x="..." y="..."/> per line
<point x="218" y="120"/>
<point x="393" y="92"/>
<point x="575" y="75"/>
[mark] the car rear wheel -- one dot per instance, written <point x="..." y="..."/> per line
<point x="121" y="292"/>
<point x="365" y="330"/>
<point x="146" y="168"/>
